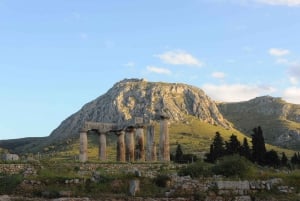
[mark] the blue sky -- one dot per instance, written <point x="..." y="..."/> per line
<point x="57" y="55"/>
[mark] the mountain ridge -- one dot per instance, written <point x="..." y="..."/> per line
<point x="130" y="98"/>
<point x="279" y="119"/>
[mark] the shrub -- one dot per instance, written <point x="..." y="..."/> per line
<point x="8" y="183"/>
<point x="162" y="180"/>
<point x="196" y="170"/>
<point x="234" y="165"/>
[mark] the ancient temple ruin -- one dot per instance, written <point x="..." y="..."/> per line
<point x="128" y="136"/>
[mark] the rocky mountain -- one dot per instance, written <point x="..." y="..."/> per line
<point x="132" y="98"/>
<point x="279" y="120"/>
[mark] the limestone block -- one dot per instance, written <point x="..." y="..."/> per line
<point x="233" y="185"/>
<point x="134" y="186"/>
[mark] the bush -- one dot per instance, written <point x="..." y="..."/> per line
<point x="196" y="170"/>
<point x="162" y="180"/>
<point x="233" y="166"/>
<point x="8" y="183"/>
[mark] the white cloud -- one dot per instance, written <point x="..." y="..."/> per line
<point x="179" y="57"/>
<point x="278" y="52"/>
<point x="294" y="73"/>
<point x="294" y="80"/>
<point x="281" y="2"/>
<point x="158" y="70"/>
<point x="218" y="75"/>
<point x="130" y="64"/>
<point x="295" y="70"/>
<point x="292" y="95"/>
<point x="282" y="61"/>
<point x="235" y="92"/>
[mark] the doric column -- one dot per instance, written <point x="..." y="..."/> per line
<point x="140" y="138"/>
<point x="164" y="147"/>
<point x="153" y="153"/>
<point x="129" y="140"/>
<point x="83" y="146"/>
<point x="150" y="143"/>
<point x="121" y="146"/>
<point x="102" y="146"/>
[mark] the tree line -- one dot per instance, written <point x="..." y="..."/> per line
<point x="257" y="153"/>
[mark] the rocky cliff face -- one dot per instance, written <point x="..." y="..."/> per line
<point x="132" y="98"/>
<point x="279" y="120"/>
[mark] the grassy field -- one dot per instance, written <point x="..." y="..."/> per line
<point x="194" y="137"/>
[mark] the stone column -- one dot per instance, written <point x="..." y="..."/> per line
<point x="164" y="146"/>
<point x="83" y="147"/>
<point x="140" y="138"/>
<point x="102" y="146"/>
<point x="150" y="143"/>
<point x="121" y="146"/>
<point x="153" y="154"/>
<point x="129" y="140"/>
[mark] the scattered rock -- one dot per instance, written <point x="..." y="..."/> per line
<point x="134" y="187"/>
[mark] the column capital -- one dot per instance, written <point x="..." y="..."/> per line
<point x="130" y="129"/>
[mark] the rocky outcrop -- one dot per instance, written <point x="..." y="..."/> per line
<point x="279" y="120"/>
<point x="132" y="98"/>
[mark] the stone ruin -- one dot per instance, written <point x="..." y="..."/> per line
<point x="127" y="134"/>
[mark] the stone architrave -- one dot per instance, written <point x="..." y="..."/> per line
<point x="129" y="141"/>
<point x="150" y="143"/>
<point x="140" y="138"/>
<point x="121" y="146"/>
<point x="102" y="146"/>
<point x="164" y="146"/>
<point x="83" y="147"/>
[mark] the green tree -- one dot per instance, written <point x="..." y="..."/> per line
<point x="283" y="160"/>
<point x="295" y="159"/>
<point x="272" y="159"/>
<point x="245" y="149"/>
<point x="178" y="154"/>
<point x="233" y="146"/>
<point x="258" y="146"/>
<point x="217" y="149"/>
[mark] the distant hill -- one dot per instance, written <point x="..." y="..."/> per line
<point x="279" y="120"/>
<point x="192" y="113"/>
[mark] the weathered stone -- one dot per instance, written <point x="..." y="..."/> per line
<point x="129" y="142"/>
<point x="134" y="187"/>
<point x="233" y="185"/>
<point x="140" y="139"/>
<point x="243" y="198"/>
<point x="10" y="157"/>
<point x="4" y="198"/>
<point x="164" y="145"/>
<point x="65" y="193"/>
<point x="102" y="146"/>
<point x="83" y="147"/>
<point x="121" y="146"/>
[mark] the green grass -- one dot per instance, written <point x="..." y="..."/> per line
<point x="194" y="136"/>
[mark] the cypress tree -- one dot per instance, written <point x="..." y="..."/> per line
<point x="258" y="146"/>
<point x="283" y="160"/>
<point x="233" y="146"/>
<point x="217" y="149"/>
<point x="178" y="154"/>
<point x="245" y="149"/>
